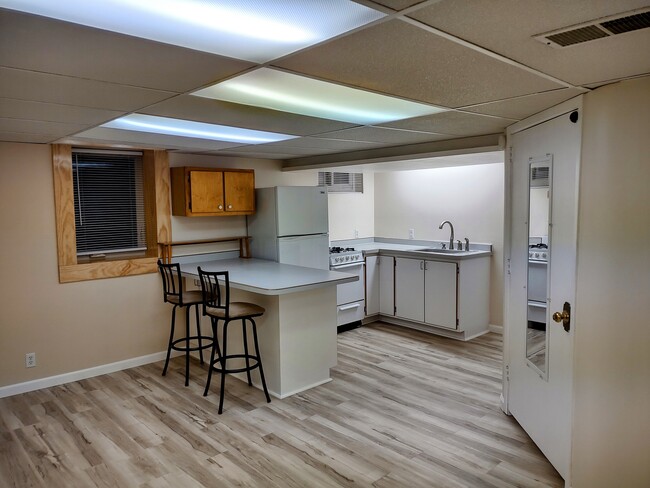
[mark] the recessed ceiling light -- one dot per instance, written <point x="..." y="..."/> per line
<point x="253" y="30"/>
<point x="199" y="130"/>
<point x="287" y="92"/>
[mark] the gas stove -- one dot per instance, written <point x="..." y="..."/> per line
<point x="344" y="255"/>
<point x="538" y="252"/>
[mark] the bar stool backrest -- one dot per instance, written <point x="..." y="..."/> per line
<point x="172" y="282"/>
<point x="213" y="295"/>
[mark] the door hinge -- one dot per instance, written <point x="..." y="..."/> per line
<point x="507" y="370"/>
<point x="508" y="266"/>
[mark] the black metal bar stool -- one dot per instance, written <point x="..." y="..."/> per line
<point x="173" y="293"/>
<point x="217" y="306"/>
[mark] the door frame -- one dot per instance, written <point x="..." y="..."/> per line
<point x="544" y="116"/>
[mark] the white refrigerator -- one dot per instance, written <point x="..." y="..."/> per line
<point x="290" y="226"/>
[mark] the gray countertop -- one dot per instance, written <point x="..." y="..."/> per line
<point x="268" y="277"/>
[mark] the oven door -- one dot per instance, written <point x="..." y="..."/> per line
<point x="537" y="281"/>
<point x="354" y="291"/>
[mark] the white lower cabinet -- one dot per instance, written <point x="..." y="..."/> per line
<point x="409" y="289"/>
<point x="387" y="285"/>
<point x="450" y="298"/>
<point x="426" y="291"/>
<point x="372" y="285"/>
<point x="380" y="286"/>
<point x="441" y="294"/>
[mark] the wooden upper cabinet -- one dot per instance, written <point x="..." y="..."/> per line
<point x="211" y="192"/>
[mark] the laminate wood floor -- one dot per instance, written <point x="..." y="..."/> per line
<point x="404" y="409"/>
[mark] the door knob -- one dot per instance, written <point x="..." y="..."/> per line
<point x="564" y="316"/>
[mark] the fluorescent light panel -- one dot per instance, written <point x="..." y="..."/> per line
<point x="198" y="130"/>
<point x="253" y="30"/>
<point x="287" y="92"/>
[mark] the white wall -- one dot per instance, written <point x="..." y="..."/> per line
<point x="353" y="211"/>
<point x="611" y="418"/>
<point x="471" y="197"/>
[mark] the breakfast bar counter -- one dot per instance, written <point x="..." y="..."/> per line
<point x="297" y="333"/>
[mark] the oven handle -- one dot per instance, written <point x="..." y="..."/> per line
<point x="341" y="266"/>
<point x="349" y="307"/>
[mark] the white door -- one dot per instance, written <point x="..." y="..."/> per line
<point x="539" y="352"/>
<point x="301" y="210"/>
<point x="409" y="289"/>
<point x="309" y="251"/>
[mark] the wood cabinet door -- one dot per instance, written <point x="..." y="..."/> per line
<point x="440" y="294"/>
<point x="409" y="288"/>
<point x="206" y="192"/>
<point x="239" y="191"/>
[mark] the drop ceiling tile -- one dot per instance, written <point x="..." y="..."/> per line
<point x="52" y="46"/>
<point x="384" y="135"/>
<point x="319" y="143"/>
<point x="253" y="155"/>
<point x="158" y="140"/>
<point x="455" y="123"/>
<point x="417" y="65"/>
<point x="397" y="4"/>
<point x="38" y="127"/>
<point x="275" y="152"/>
<point x="43" y="87"/>
<point x="522" y="107"/>
<point x="509" y="30"/>
<point x="53" y="112"/>
<point x="6" y="136"/>
<point x="211" y="111"/>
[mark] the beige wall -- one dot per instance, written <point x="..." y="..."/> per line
<point x="73" y="326"/>
<point x="350" y="212"/>
<point x="611" y="418"/>
<point x="471" y="197"/>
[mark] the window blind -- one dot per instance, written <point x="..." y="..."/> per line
<point x="108" y="202"/>
<point x="341" y="182"/>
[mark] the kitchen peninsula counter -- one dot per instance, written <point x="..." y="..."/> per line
<point x="297" y="333"/>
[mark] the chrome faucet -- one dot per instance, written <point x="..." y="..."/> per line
<point x="451" y="237"/>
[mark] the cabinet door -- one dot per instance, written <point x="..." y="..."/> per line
<point x="386" y="285"/>
<point x="206" y="192"/>
<point x="409" y="288"/>
<point x="440" y="287"/>
<point x="239" y="191"/>
<point x="372" y="285"/>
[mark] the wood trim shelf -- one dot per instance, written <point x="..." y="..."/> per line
<point x="166" y="247"/>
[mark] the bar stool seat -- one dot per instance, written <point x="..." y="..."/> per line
<point x="217" y="306"/>
<point x="174" y="293"/>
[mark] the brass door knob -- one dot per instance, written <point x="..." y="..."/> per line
<point x="564" y="317"/>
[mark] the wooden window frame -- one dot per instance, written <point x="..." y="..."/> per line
<point x="155" y="166"/>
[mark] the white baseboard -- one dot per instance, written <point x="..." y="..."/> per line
<point x="497" y="329"/>
<point x="83" y="374"/>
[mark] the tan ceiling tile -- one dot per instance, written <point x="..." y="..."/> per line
<point x="38" y="127"/>
<point x="202" y="109"/>
<point x="508" y="28"/>
<point x="398" y="58"/>
<point x="6" y="136"/>
<point x="384" y="135"/>
<point x="522" y="107"/>
<point x="454" y="123"/>
<point x="52" y="46"/>
<point x="53" y="112"/>
<point x="43" y="87"/>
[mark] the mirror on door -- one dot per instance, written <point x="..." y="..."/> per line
<point x="539" y="205"/>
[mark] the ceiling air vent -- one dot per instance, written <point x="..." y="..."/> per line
<point x="597" y="29"/>
<point x="341" y="182"/>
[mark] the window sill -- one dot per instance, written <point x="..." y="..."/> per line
<point x="107" y="269"/>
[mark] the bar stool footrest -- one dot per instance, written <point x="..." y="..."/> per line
<point x="206" y="345"/>
<point x="217" y="363"/>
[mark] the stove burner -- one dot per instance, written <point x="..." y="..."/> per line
<point x="336" y="249"/>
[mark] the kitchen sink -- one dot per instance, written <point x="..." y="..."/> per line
<point x="442" y="251"/>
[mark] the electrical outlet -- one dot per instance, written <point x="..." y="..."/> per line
<point x="30" y="359"/>
<point x="356" y="234"/>
<point x="411" y="233"/>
